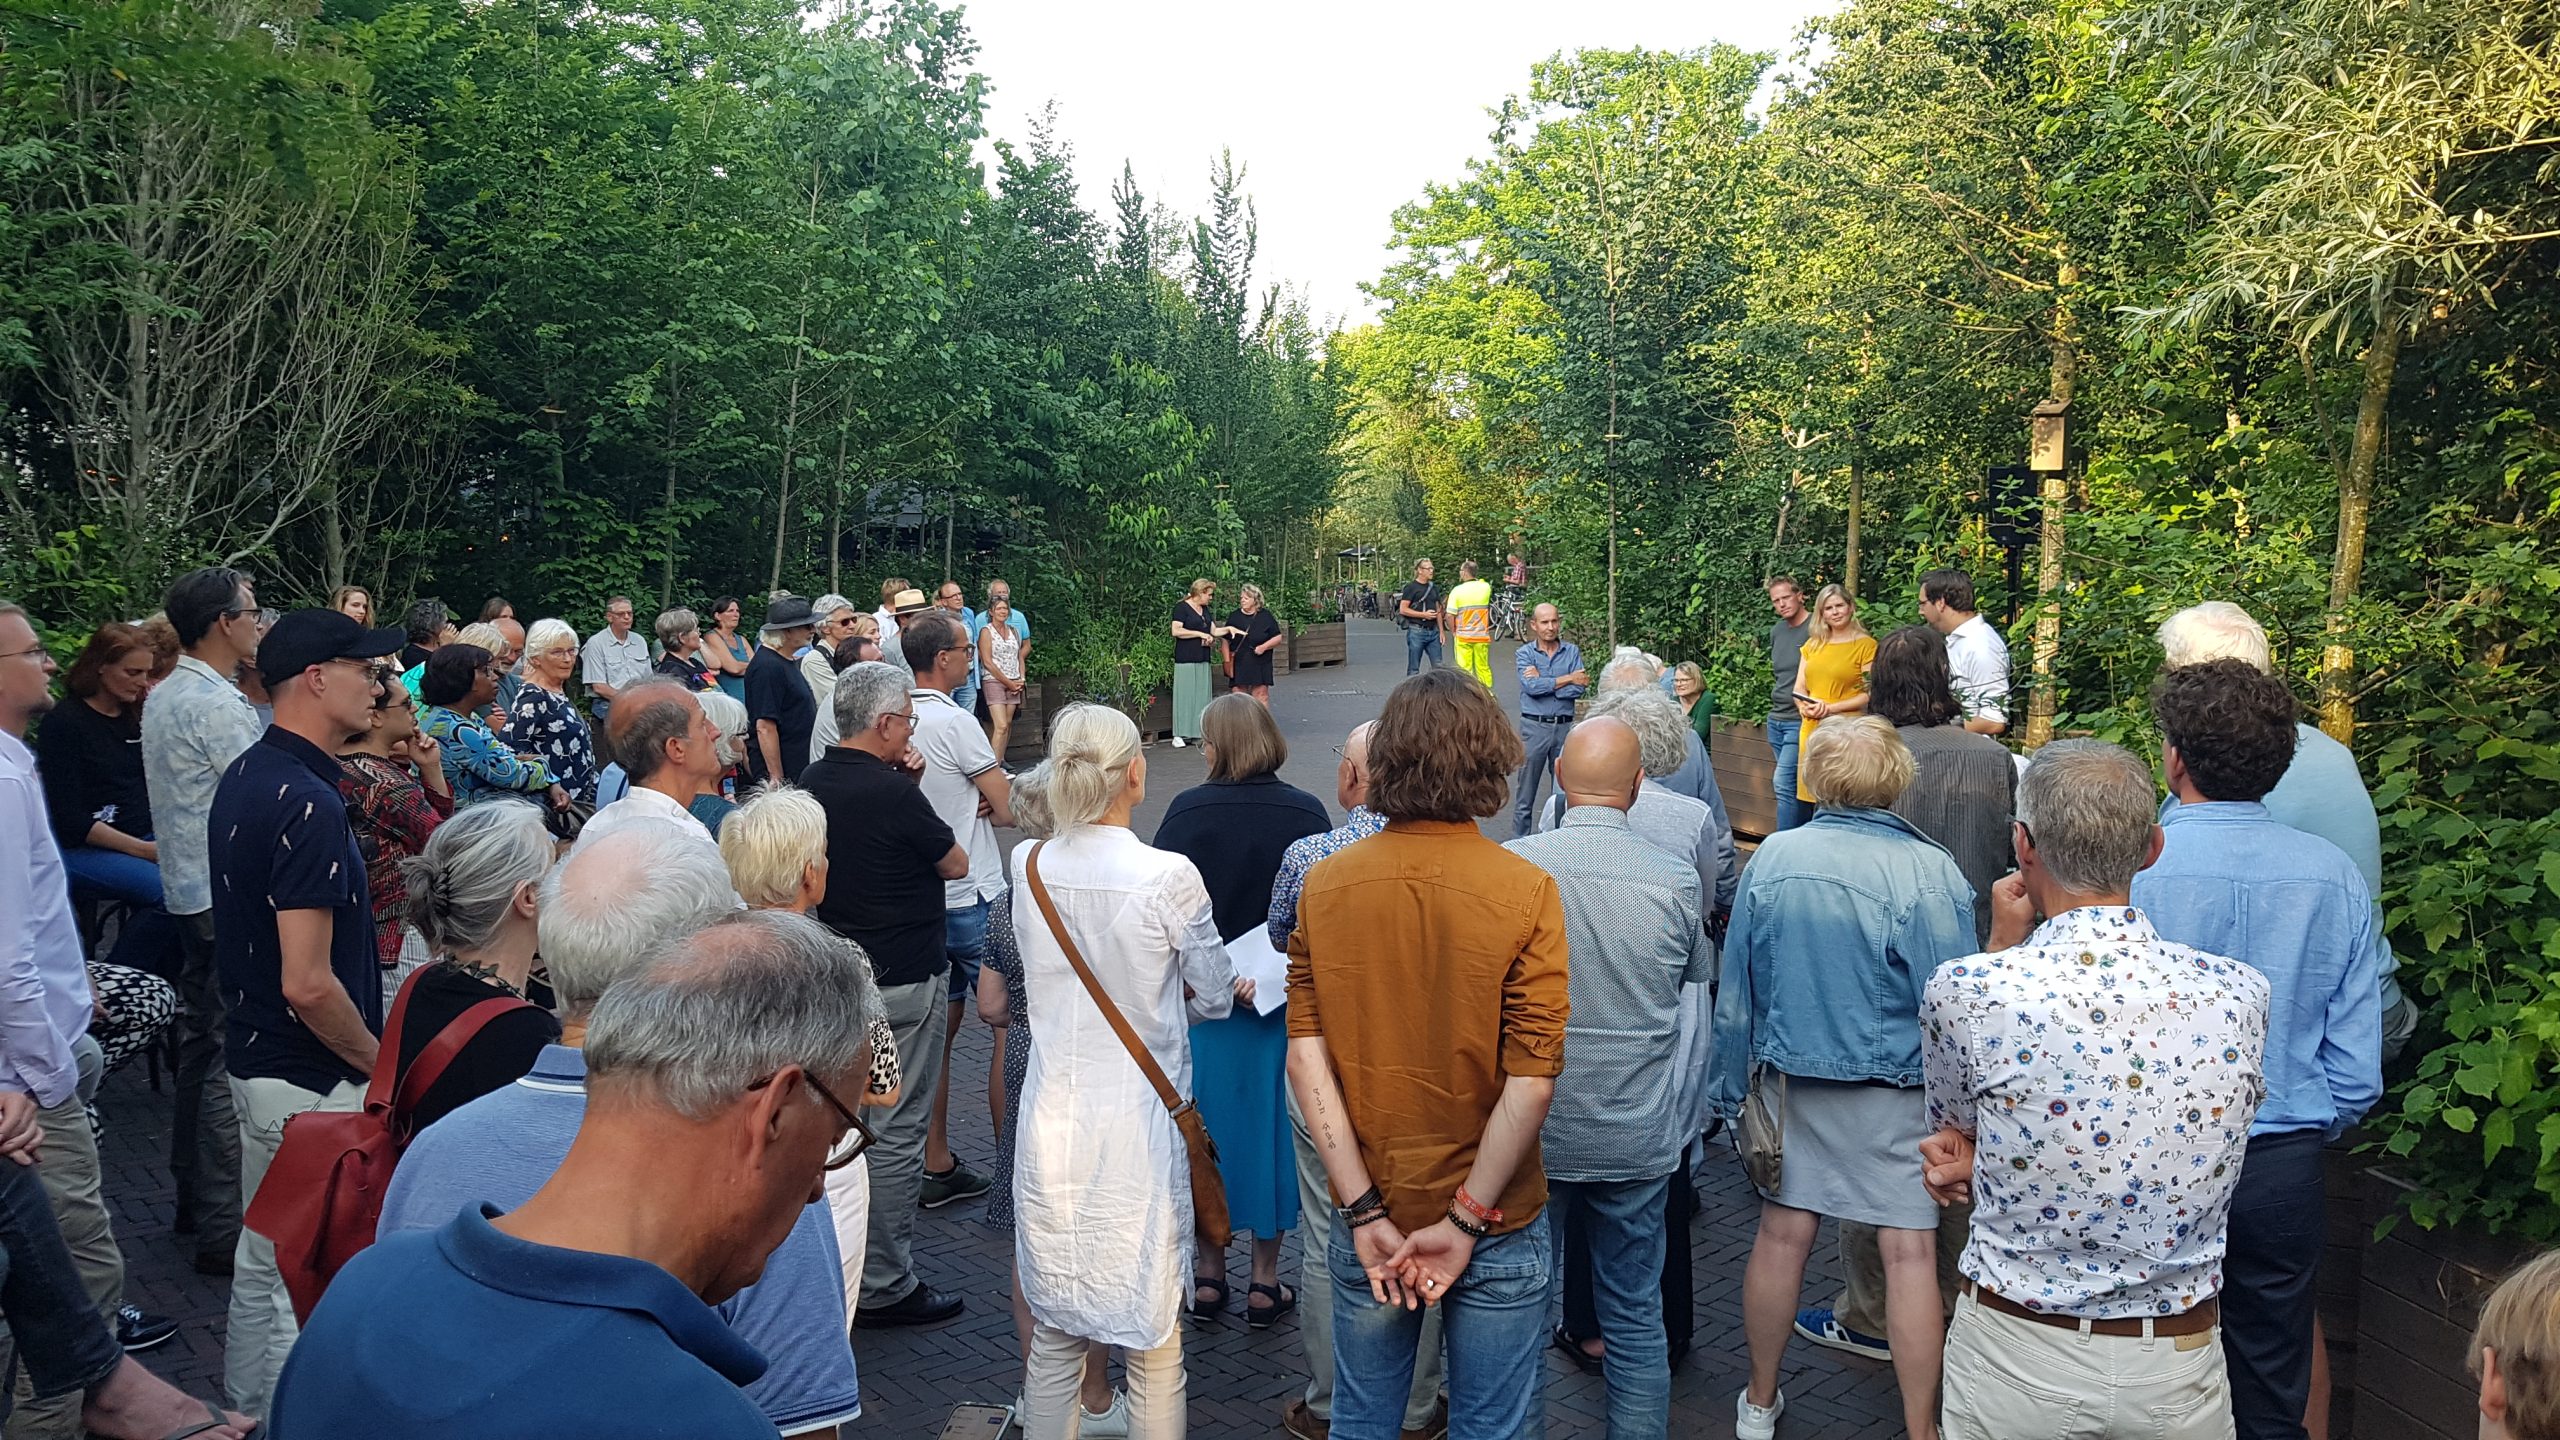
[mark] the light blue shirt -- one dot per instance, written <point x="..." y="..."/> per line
<point x="1539" y="692"/>
<point x="194" y="725"/>
<point x="502" y="1147"/>
<point x="2234" y="881"/>
<point x="44" y="975"/>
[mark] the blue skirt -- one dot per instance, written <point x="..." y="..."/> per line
<point x="1237" y="1068"/>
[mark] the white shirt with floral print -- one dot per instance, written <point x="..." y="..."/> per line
<point x="2108" y="1078"/>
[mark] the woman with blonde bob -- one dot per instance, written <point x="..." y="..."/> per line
<point x="1101" y="1176"/>
<point x="1836" y="926"/>
<point x="775" y="845"/>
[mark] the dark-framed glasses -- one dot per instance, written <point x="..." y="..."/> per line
<point x="857" y="1136"/>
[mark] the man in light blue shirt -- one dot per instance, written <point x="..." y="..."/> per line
<point x="2231" y="880"/>
<point x="1551" y="679"/>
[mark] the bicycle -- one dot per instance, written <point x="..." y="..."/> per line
<point x="1510" y="618"/>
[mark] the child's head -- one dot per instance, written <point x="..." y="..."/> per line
<point x="2516" y="1354"/>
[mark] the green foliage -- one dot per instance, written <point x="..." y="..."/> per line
<point x="2187" y="218"/>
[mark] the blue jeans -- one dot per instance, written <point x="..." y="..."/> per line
<point x="964" y="935"/>
<point x="965" y="695"/>
<point x="53" y="1320"/>
<point x="1494" y="1322"/>
<point x="1421" y="640"/>
<point x="1542" y="743"/>
<point x="1621" y="1220"/>
<point x="1783" y="735"/>
<point x="149" y="940"/>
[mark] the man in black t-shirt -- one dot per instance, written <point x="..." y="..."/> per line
<point x="888" y="855"/>
<point x="1418" y="611"/>
<point x="781" y="709"/>
<point x="293" y="941"/>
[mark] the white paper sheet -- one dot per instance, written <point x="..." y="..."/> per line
<point x="1267" y="968"/>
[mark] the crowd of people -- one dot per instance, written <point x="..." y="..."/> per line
<point x="649" y="953"/>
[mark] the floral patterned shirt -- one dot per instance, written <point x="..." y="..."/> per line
<point x="2108" y="1078"/>
<point x="544" y="724"/>
<point x="1301" y="857"/>
<point x="393" y="815"/>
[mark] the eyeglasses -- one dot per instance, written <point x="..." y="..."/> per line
<point x="23" y="654"/>
<point x="857" y="1136"/>
<point x="907" y="715"/>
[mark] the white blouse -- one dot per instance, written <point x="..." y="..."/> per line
<point x="1102" y="1184"/>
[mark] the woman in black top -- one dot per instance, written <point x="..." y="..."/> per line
<point x="471" y="895"/>
<point x="1235" y="829"/>
<point x="90" y="753"/>
<point x="1193" y="633"/>
<point x="1252" y="634"/>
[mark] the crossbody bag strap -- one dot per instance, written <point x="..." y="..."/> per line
<point x="422" y="1073"/>
<point x="1129" y="1040"/>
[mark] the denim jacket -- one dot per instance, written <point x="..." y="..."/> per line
<point x="1836" y="926"/>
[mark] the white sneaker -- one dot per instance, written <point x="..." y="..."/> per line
<point x="1111" y="1424"/>
<point x="1178" y="742"/>
<point x="1757" y="1422"/>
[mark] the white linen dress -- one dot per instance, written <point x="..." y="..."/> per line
<point x="1102" y="1184"/>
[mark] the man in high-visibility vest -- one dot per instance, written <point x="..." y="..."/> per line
<point x="1471" y="608"/>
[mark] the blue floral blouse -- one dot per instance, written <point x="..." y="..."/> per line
<point x="542" y="723"/>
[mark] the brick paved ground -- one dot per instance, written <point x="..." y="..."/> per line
<point x="1239" y="1378"/>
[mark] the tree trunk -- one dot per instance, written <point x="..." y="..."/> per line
<point x="1857" y="501"/>
<point x="2355" y="509"/>
<point x="835" y="516"/>
<point x="2055" y="491"/>
<point x="667" y="557"/>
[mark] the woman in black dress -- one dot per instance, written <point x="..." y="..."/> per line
<point x="1252" y="634"/>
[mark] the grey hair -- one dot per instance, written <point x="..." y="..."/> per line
<point x="1091" y="748"/>
<point x="656" y="714"/>
<point x="720" y="1008"/>
<point x="484" y="634"/>
<point x="1629" y="667"/>
<point x="1662" y="732"/>
<point x="548" y="635"/>
<point x="673" y="624"/>
<point x="770" y="841"/>
<point x="865" y="692"/>
<point x="829" y="603"/>
<point x="728" y="715"/>
<point x="598" y="927"/>
<point x="463" y="883"/>
<point x="2214" y="630"/>
<point x="2090" y="809"/>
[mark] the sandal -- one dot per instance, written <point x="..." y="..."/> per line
<point x="1259" y="1317"/>
<point x="218" y="1422"/>
<point x="1208" y="1309"/>
<point x="1583" y="1360"/>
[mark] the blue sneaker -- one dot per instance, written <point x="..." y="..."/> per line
<point x="1823" y="1327"/>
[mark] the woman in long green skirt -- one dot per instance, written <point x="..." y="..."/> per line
<point x="1193" y="633"/>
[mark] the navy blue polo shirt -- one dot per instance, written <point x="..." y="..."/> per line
<point x="281" y="840"/>
<point x="469" y="1331"/>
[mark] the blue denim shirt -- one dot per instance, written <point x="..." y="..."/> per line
<point x="1539" y="692"/>
<point x="2232" y="881"/>
<point x="1836" y="926"/>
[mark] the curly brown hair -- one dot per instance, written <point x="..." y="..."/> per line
<point x="2231" y="724"/>
<point x="1442" y="750"/>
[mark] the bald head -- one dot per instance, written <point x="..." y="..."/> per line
<point x="1602" y="764"/>
<point x="1351" y="781"/>
<point x="515" y="638"/>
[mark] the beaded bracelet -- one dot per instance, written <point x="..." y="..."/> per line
<point x="1365" y="1217"/>
<point x="1467" y="1226"/>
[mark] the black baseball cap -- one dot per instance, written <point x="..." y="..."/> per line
<point x="304" y="638"/>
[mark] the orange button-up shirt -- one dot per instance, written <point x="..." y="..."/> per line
<point x="1432" y="962"/>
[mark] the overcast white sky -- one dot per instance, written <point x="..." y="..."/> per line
<point x="1340" y="110"/>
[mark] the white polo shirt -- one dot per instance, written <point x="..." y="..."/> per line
<point x="955" y="754"/>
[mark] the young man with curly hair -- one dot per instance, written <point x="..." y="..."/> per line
<point x="2233" y="881"/>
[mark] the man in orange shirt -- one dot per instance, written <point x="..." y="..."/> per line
<point x="1427" y="1003"/>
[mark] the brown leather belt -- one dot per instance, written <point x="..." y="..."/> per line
<point x="2193" y="1322"/>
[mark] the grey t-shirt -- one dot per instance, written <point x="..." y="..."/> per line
<point x="1786" y="653"/>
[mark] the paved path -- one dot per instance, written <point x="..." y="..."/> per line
<point x="1239" y="1378"/>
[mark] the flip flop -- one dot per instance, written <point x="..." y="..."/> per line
<point x="1583" y="1360"/>
<point x="1283" y="1300"/>
<point x="218" y="1421"/>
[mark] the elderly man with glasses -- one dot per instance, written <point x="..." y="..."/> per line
<point x="651" y="1168"/>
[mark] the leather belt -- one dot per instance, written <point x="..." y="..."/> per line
<point x="2193" y="1322"/>
<point x="1548" y="719"/>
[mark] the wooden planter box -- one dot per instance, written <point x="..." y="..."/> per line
<point x="1029" y="739"/>
<point x="1316" y="645"/>
<point x="1280" y="652"/>
<point x="2418" y="1298"/>
<point x="1745" y="767"/>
